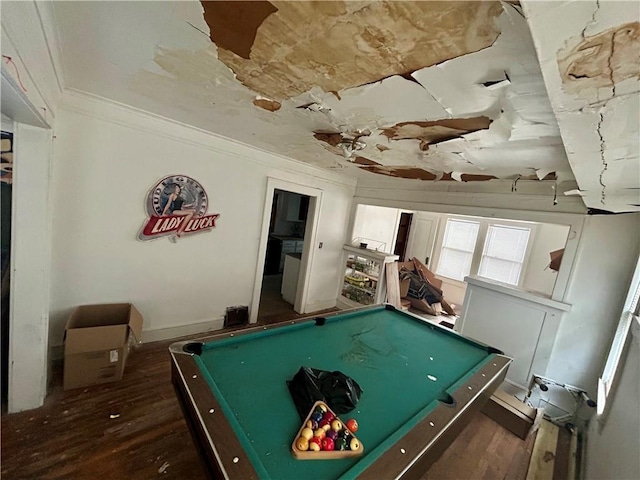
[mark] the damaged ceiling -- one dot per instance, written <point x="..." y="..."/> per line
<point x="422" y="91"/>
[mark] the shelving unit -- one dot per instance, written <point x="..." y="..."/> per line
<point x="363" y="282"/>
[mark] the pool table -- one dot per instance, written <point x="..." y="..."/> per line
<point x="421" y="384"/>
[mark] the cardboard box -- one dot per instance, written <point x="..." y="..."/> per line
<point x="97" y="342"/>
<point x="514" y="415"/>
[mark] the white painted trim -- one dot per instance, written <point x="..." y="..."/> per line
<point x="16" y="105"/>
<point x="318" y="306"/>
<point x="517" y="293"/>
<point x="30" y="268"/>
<point x="51" y="34"/>
<point x="474" y="205"/>
<point x="7" y="124"/>
<point x="141" y="120"/>
<point x="23" y="39"/>
<point x="308" y="250"/>
<point x="161" y="334"/>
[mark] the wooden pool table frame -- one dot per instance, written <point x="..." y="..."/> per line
<point x="224" y="457"/>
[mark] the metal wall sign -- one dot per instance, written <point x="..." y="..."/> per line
<point x="176" y="206"/>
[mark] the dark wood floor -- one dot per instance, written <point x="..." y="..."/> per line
<point x="134" y="429"/>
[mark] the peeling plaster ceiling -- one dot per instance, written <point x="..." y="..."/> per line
<point x="424" y="91"/>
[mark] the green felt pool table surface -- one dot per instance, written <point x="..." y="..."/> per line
<point x="404" y="365"/>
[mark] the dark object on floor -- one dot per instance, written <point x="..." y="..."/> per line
<point x="309" y="385"/>
<point x="235" y="316"/>
<point x="447" y="324"/>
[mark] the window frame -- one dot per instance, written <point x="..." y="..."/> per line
<point x="485" y="223"/>
<point x="629" y="321"/>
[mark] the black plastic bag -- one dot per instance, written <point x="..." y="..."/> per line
<point x="340" y="392"/>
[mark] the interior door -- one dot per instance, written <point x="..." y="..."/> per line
<point x="422" y="237"/>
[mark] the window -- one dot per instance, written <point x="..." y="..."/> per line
<point x="504" y="250"/>
<point x="610" y="374"/>
<point x="458" y="246"/>
<point x="488" y="248"/>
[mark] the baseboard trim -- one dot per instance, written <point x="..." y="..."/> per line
<point x="161" y="334"/>
<point x="318" y="306"/>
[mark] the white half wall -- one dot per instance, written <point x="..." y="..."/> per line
<point x="107" y="157"/>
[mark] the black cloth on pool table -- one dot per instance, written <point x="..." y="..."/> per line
<point x="336" y="389"/>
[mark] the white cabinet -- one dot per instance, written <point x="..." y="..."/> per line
<point x="290" y="246"/>
<point x="290" y="278"/>
<point x="363" y="282"/>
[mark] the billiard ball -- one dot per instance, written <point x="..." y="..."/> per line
<point x="340" y="444"/>
<point x="332" y="434"/>
<point x="320" y="433"/>
<point x="328" y="416"/>
<point x="307" y="433"/>
<point x="316" y="416"/>
<point x="302" y="444"/>
<point x="325" y="424"/>
<point x="327" y="444"/>
<point x="352" y="425"/>
<point x="336" y="425"/>
<point x="354" y="444"/>
<point x="322" y="407"/>
<point x="315" y="444"/>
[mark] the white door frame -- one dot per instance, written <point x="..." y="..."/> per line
<point x="310" y="237"/>
<point x="30" y="261"/>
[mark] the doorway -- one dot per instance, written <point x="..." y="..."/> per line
<point x="6" y="176"/>
<point x="402" y="237"/>
<point x="283" y="257"/>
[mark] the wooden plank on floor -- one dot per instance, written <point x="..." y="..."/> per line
<point x="573" y="455"/>
<point x="544" y="453"/>
<point x="563" y="455"/>
<point x="393" y="284"/>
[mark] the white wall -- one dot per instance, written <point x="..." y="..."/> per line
<point x="602" y="270"/>
<point x="538" y="277"/>
<point x="612" y="452"/>
<point x="376" y="226"/>
<point x="107" y="157"/>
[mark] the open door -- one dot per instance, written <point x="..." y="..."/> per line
<point x="287" y="227"/>
<point x="298" y="220"/>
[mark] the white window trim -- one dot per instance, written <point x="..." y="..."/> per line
<point x="628" y="328"/>
<point x="480" y="241"/>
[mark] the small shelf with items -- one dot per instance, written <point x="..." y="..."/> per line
<point x="363" y="282"/>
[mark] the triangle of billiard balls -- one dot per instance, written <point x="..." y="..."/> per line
<point x="323" y="435"/>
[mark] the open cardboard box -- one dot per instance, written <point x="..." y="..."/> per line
<point x="97" y="343"/>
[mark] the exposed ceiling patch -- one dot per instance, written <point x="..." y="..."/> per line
<point x="270" y="105"/>
<point x="336" y="45"/>
<point x="364" y="161"/>
<point x="402" y="172"/>
<point x="437" y="131"/>
<point x="602" y="60"/>
<point x="233" y="24"/>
